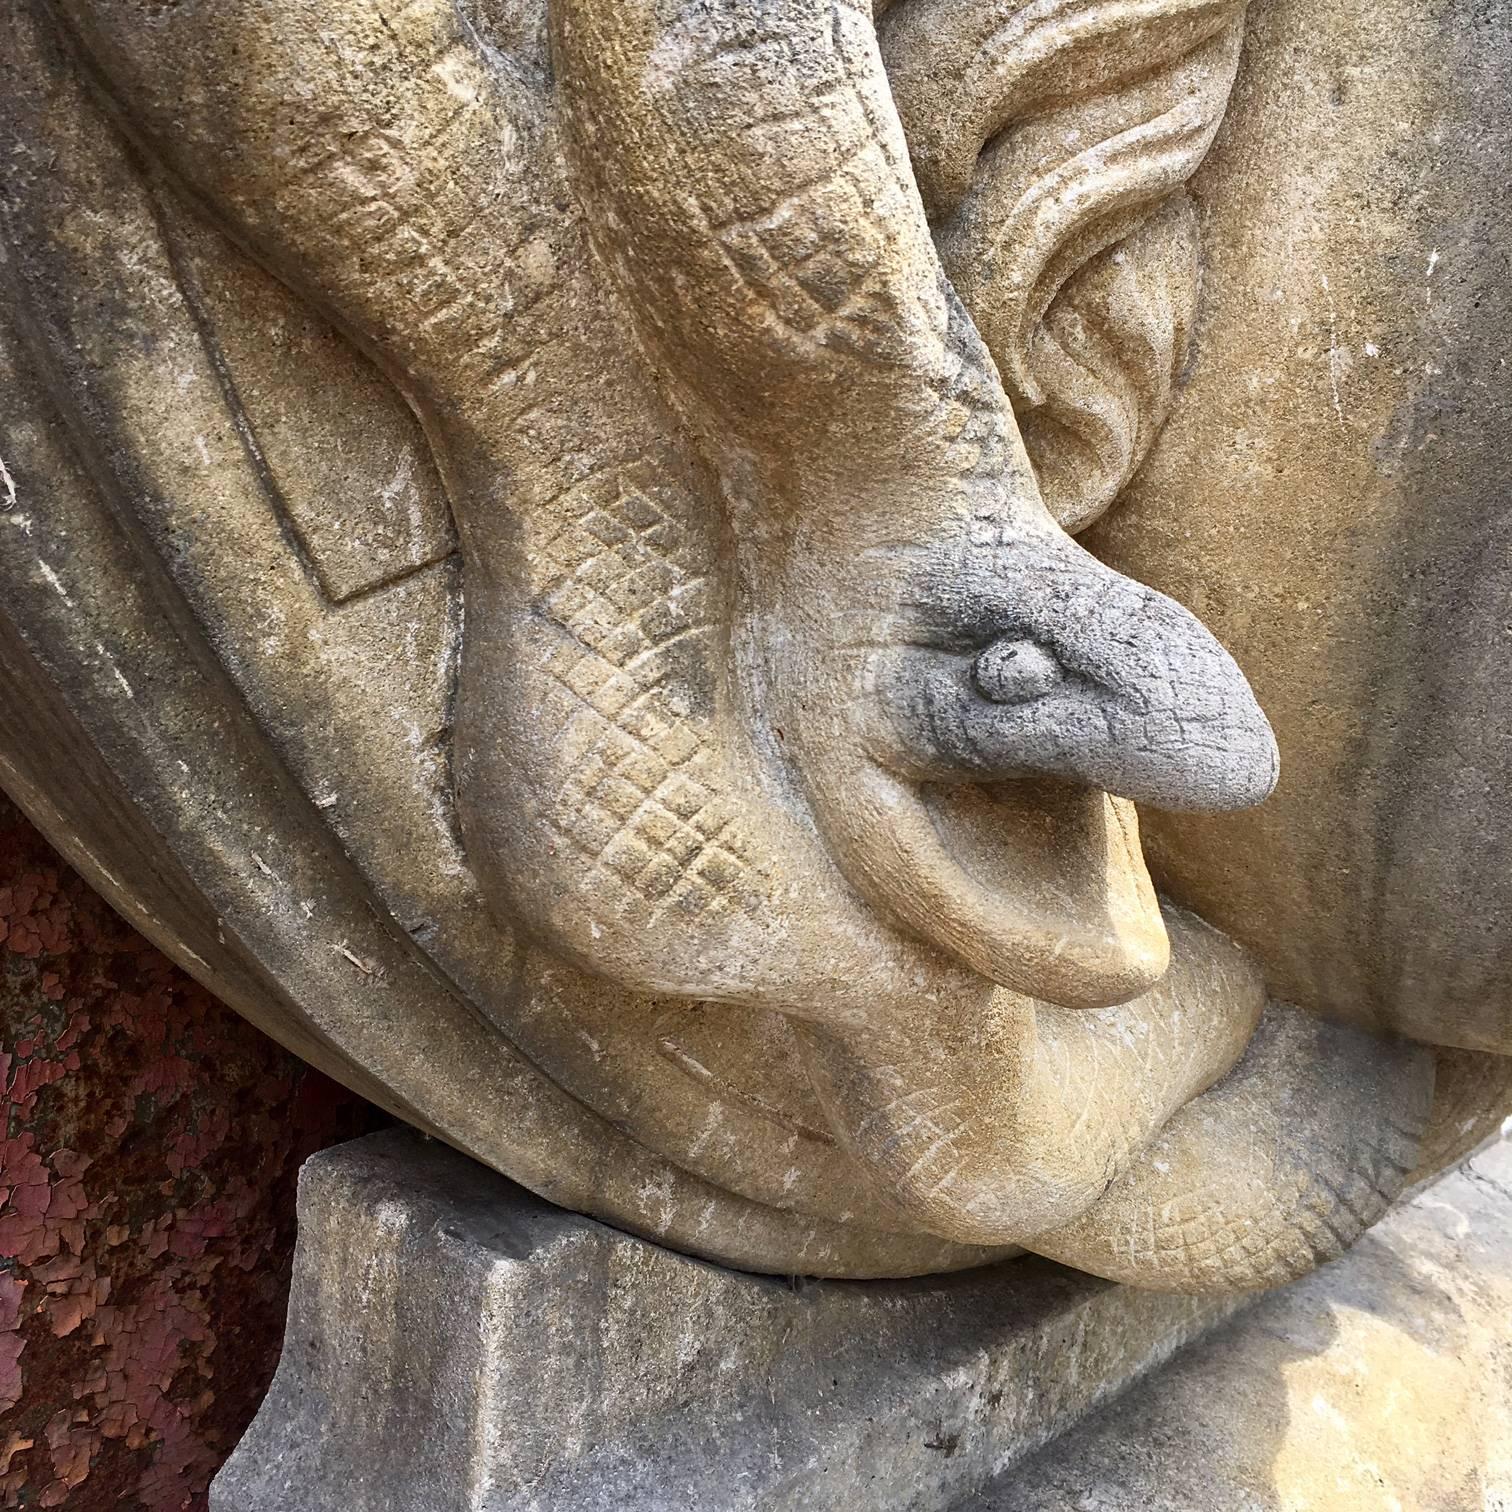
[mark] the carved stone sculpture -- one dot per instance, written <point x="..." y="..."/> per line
<point x="545" y="530"/>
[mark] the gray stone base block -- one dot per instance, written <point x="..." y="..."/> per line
<point x="455" y="1343"/>
<point x="1381" y="1383"/>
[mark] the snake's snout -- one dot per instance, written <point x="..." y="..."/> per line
<point x="1039" y="660"/>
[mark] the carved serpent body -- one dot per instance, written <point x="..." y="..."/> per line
<point x="780" y="684"/>
<point x="657" y="148"/>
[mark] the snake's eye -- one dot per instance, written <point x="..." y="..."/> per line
<point x="1014" y="671"/>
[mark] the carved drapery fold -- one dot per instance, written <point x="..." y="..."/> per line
<point x="1051" y="140"/>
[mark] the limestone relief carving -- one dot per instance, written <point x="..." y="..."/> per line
<point x="544" y="530"/>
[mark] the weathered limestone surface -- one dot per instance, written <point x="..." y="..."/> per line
<point x="537" y="557"/>
<point x="455" y="1343"/>
<point x="1383" y="1381"/>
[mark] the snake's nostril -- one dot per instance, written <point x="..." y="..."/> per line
<point x="1015" y="670"/>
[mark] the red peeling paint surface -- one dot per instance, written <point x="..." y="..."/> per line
<point x="147" y="1168"/>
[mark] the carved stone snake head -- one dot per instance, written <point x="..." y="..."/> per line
<point x="914" y="623"/>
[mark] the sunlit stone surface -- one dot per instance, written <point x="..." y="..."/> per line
<point x="538" y="562"/>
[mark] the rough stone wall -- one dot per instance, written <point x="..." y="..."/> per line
<point x="147" y="1170"/>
